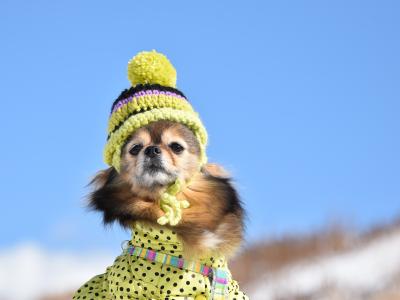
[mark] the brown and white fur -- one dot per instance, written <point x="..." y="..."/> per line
<point x="152" y="158"/>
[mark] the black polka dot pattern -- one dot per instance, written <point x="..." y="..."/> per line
<point x="131" y="277"/>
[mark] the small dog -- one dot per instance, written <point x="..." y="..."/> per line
<point x="212" y="227"/>
<point x="185" y="215"/>
<point x="152" y="158"/>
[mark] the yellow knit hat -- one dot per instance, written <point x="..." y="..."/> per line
<point x="152" y="97"/>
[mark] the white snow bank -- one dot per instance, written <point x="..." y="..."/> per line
<point x="355" y="273"/>
<point x="27" y="271"/>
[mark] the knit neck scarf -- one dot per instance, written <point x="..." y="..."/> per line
<point x="170" y="205"/>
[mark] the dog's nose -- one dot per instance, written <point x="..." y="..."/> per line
<point x="152" y="151"/>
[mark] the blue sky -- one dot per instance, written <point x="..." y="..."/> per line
<point x="300" y="99"/>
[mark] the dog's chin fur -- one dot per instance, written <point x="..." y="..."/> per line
<point x="212" y="224"/>
<point x="154" y="180"/>
<point x="148" y="178"/>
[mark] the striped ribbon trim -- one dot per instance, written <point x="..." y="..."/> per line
<point x="171" y="260"/>
<point x="219" y="277"/>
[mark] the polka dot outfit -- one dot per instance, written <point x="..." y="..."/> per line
<point x="132" y="277"/>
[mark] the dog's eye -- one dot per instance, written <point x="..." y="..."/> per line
<point x="136" y="149"/>
<point x="176" y="147"/>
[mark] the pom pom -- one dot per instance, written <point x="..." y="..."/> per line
<point x="151" y="67"/>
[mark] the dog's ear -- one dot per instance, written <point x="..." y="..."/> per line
<point x="215" y="170"/>
<point x="222" y="181"/>
<point x="103" y="178"/>
<point x="105" y="193"/>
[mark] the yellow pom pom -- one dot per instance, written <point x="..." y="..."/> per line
<point x="151" y="67"/>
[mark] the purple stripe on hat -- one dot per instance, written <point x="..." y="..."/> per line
<point x="122" y="102"/>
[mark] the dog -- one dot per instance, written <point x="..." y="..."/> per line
<point x="210" y="230"/>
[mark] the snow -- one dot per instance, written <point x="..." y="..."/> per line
<point x="357" y="272"/>
<point x="27" y="271"/>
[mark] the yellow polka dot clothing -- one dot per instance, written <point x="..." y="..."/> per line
<point x="133" y="277"/>
<point x="162" y="273"/>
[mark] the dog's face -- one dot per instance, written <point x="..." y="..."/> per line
<point x="158" y="154"/>
<point x="152" y="158"/>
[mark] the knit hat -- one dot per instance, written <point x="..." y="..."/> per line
<point x="152" y="97"/>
